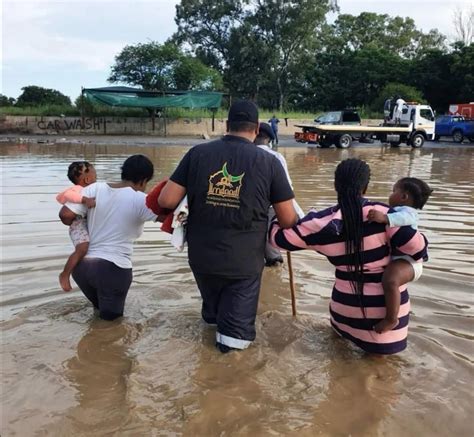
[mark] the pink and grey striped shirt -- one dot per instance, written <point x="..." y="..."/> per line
<point x="323" y="232"/>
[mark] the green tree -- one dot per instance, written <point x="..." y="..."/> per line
<point x="290" y="29"/>
<point x="445" y="78"/>
<point x="284" y="53"/>
<point x="406" y="92"/>
<point x="255" y="43"/>
<point x="6" y="101"/>
<point x="191" y="74"/>
<point x="396" y="34"/>
<point x="249" y="62"/>
<point x="161" y="67"/>
<point x="148" y="65"/>
<point x="462" y="72"/>
<point x="374" y="68"/>
<point x="337" y="79"/>
<point x="37" y="96"/>
<point x="85" y="104"/>
<point x="222" y="36"/>
<point x="206" y="25"/>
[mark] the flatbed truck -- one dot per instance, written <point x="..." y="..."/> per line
<point x="414" y="127"/>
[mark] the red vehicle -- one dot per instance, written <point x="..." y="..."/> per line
<point x="464" y="109"/>
<point x="306" y="137"/>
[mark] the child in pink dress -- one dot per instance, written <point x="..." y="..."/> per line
<point x="81" y="174"/>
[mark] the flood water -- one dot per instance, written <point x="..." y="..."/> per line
<point x="157" y="373"/>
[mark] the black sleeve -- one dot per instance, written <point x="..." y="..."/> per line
<point x="180" y="175"/>
<point x="280" y="189"/>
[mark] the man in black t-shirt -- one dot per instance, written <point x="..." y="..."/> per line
<point x="230" y="184"/>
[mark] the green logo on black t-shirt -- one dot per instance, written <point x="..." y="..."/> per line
<point x="224" y="189"/>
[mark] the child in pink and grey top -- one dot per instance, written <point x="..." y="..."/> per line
<point x="81" y="174"/>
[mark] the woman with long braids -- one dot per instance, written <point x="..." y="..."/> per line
<point x="360" y="250"/>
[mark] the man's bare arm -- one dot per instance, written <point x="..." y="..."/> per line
<point x="285" y="213"/>
<point x="171" y="195"/>
<point x="66" y="215"/>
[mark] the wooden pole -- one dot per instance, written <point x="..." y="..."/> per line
<point x="82" y="109"/>
<point x="164" y="113"/>
<point x="292" y="284"/>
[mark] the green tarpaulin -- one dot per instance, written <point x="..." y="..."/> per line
<point x="143" y="99"/>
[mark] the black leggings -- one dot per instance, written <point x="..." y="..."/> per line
<point x="105" y="284"/>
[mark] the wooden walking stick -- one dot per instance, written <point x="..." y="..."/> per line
<point x="292" y="284"/>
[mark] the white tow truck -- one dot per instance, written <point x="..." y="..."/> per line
<point x="415" y="125"/>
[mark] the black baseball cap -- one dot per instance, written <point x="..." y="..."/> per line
<point x="243" y="110"/>
<point x="265" y="129"/>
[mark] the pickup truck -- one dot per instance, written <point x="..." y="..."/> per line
<point x="346" y="116"/>
<point x="455" y="126"/>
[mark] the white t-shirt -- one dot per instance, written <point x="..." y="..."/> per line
<point x="399" y="108"/>
<point x="115" y="222"/>
<point x="282" y="159"/>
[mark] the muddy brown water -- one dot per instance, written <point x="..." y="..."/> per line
<point x="157" y="372"/>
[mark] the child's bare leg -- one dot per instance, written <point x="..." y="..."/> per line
<point x="396" y="274"/>
<point x="73" y="260"/>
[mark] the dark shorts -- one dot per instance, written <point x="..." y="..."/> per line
<point x="105" y="284"/>
<point x="232" y="305"/>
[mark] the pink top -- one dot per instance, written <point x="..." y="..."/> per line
<point x="72" y="194"/>
<point x="323" y="231"/>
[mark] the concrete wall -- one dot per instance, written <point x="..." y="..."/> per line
<point x="108" y="126"/>
<point x="128" y="126"/>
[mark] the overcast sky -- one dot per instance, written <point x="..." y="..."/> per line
<point x="72" y="43"/>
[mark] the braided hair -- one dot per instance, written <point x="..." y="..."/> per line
<point x="351" y="180"/>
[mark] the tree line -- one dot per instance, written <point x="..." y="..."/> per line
<point x="298" y="55"/>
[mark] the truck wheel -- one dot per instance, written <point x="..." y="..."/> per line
<point x="417" y="141"/>
<point x="458" y="136"/>
<point x="471" y="139"/>
<point x="344" y="141"/>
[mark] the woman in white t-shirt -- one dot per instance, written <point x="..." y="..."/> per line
<point x="105" y="274"/>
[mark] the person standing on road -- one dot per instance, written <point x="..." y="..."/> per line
<point x="264" y="137"/>
<point x="274" y="124"/>
<point x="230" y="185"/>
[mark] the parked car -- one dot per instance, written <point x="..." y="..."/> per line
<point x="455" y="126"/>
